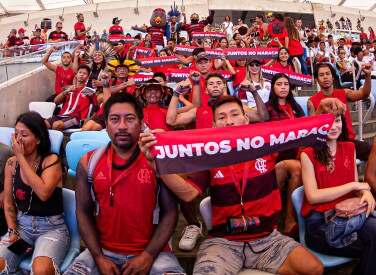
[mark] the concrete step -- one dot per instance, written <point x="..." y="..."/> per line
<point x="368" y="127"/>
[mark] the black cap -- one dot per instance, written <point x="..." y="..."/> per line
<point x="252" y="60"/>
<point x="115" y="19"/>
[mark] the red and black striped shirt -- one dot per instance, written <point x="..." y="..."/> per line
<point x="157" y="35"/>
<point x="191" y="28"/>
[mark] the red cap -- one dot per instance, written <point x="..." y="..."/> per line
<point x="21" y="30"/>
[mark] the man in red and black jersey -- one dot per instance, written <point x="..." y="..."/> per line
<point x="116" y="30"/>
<point x="125" y="214"/>
<point x="12" y="37"/>
<point x="37" y="39"/>
<point x="58" y="35"/>
<point x="79" y="28"/>
<point x="21" y="37"/>
<point x="244" y="190"/>
<point x="196" y="25"/>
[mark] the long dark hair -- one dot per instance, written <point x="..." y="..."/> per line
<point x="273" y="98"/>
<point x="287" y="50"/>
<point x="35" y="123"/>
<point x="324" y="156"/>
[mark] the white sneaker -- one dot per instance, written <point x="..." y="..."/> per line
<point x="191" y="234"/>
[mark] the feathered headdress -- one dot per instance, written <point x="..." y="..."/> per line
<point x="105" y="48"/>
<point x="122" y="62"/>
<point x="173" y="12"/>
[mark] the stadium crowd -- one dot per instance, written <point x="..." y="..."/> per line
<point x="127" y="211"/>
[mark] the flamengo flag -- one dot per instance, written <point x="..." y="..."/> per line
<point x="127" y="40"/>
<point x="295" y="78"/>
<point x="141" y="78"/>
<point x="247" y="53"/>
<point x="203" y="149"/>
<point x="212" y="35"/>
<point x="184" y="50"/>
<point x="177" y="75"/>
<point x="158" y="61"/>
<point x="144" y="51"/>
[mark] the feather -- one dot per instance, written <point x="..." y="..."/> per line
<point x="105" y="48"/>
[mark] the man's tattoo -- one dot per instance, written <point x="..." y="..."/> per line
<point x="10" y="162"/>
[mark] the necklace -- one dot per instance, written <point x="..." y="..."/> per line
<point x="35" y="167"/>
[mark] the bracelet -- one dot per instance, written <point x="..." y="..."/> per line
<point x="14" y="231"/>
<point x="176" y="93"/>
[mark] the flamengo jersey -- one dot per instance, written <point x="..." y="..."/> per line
<point x="341" y="95"/>
<point x="191" y="28"/>
<point x="127" y="226"/>
<point x="79" y="27"/>
<point x="261" y="198"/>
<point x="58" y="35"/>
<point x="115" y="30"/>
<point x="157" y="35"/>
<point x="63" y="78"/>
<point x="204" y="117"/>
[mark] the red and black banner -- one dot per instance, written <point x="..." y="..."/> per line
<point x="115" y="40"/>
<point x="141" y="78"/>
<point x="184" y="50"/>
<point x="144" y="51"/>
<point x="295" y="78"/>
<point x="247" y="53"/>
<point x="158" y="61"/>
<point x="212" y="35"/>
<point x="204" y="149"/>
<point x="214" y="53"/>
<point x="177" y="75"/>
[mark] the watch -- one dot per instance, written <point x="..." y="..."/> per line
<point x="14" y="231"/>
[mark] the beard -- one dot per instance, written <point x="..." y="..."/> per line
<point x="194" y="21"/>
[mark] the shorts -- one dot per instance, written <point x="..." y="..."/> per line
<point x="48" y="236"/>
<point x="99" y="120"/>
<point x="84" y="264"/>
<point x="69" y="121"/>
<point x="221" y="256"/>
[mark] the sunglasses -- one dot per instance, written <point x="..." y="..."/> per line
<point x="59" y="27"/>
<point x="208" y="42"/>
<point x="254" y="65"/>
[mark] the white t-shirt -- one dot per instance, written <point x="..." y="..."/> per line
<point x="228" y="27"/>
<point x="263" y="92"/>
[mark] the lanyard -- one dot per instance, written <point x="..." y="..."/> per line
<point x="240" y="189"/>
<point x="122" y="176"/>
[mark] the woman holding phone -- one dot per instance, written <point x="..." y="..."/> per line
<point x="33" y="201"/>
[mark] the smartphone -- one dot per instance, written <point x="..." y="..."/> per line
<point x="19" y="247"/>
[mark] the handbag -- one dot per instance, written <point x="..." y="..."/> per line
<point x="350" y="208"/>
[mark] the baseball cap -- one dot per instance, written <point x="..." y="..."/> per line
<point x="202" y="56"/>
<point x="115" y="19"/>
<point x="21" y="30"/>
<point x="252" y="60"/>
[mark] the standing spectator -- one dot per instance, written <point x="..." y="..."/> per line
<point x="235" y="29"/>
<point x="227" y="25"/>
<point x="104" y="34"/>
<point x="303" y="39"/>
<point x="11" y="39"/>
<point x="58" y="35"/>
<point x="116" y="244"/>
<point x="79" y="28"/>
<point x="37" y="39"/>
<point x="263" y="27"/>
<point x="362" y="34"/>
<point x="275" y="29"/>
<point x="196" y="25"/>
<point x="292" y="40"/>
<point x="371" y="34"/>
<point x="116" y="30"/>
<point x="64" y="74"/>
<point x="22" y="38"/>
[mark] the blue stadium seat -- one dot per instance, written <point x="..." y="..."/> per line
<point x="75" y="149"/>
<point x="71" y="222"/>
<point x="92" y="135"/>
<point x="302" y="101"/>
<point x="5" y="140"/>
<point x="328" y="261"/>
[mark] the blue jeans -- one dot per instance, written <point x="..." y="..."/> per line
<point x="303" y="62"/>
<point x="364" y="247"/>
<point x="48" y="236"/>
<point x="84" y="263"/>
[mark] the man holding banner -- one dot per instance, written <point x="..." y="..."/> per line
<point x="245" y="197"/>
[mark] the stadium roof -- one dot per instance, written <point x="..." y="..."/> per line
<point x="9" y="7"/>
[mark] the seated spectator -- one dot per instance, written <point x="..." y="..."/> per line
<point x="322" y="54"/>
<point x="325" y="74"/>
<point x="75" y="103"/>
<point x="329" y="177"/>
<point x="34" y="200"/>
<point x="11" y="40"/>
<point x="344" y="66"/>
<point x="341" y="44"/>
<point x="115" y="243"/>
<point x="37" y="39"/>
<point x="283" y="61"/>
<point x="22" y="39"/>
<point x="259" y="247"/>
<point x="58" y="35"/>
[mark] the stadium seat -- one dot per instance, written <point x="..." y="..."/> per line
<point x="56" y="137"/>
<point x="74" y="130"/>
<point x="75" y="149"/>
<point x="302" y="101"/>
<point x="327" y="260"/>
<point x="5" y="140"/>
<point x="71" y="223"/>
<point x="45" y="109"/>
<point x="206" y="213"/>
<point x="92" y="135"/>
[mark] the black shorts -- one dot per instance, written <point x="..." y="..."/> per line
<point x="69" y="121"/>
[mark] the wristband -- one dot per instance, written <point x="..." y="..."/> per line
<point x="14" y="231"/>
<point x="196" y="82"/>
<point x="176" y="94"/>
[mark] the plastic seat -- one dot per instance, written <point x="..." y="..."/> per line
<point x="45" y="109"/>
<point x="302" y="101"/>
<point x="5" y="140"/>
<point x="71" y="223"/>
<point x="206" y="213"/>
<point x="75" y="149"/>
<point x="56" y="138"/>
<point x="92" y="135"/>
<point x="327" y="260"/>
